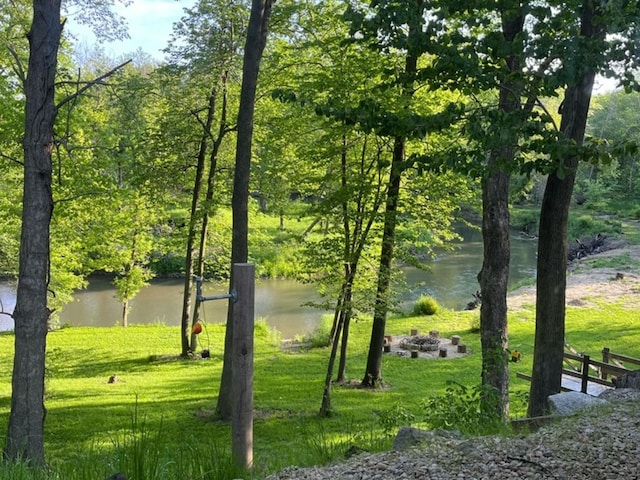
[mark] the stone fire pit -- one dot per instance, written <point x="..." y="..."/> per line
<point x="424" y="343"/>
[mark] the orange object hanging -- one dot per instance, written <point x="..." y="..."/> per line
<point x="197" y="328"/>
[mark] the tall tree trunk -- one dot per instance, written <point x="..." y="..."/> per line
<point x="125" y="313"/>
<point x="208" y="203"/>
<point x="254" y="46"/>
<point x="185" y="324"/>
<point x="494" y="276"/>
<point x="552" y="240"/>
<point x="25" y="433"/>
<point x="373" y="372"/>
<point x="347" y="312"/>
<point x="325" y="407"/>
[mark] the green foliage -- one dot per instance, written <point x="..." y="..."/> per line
<point x="22" y="471"/>
<point x="320" y="336"/>
<point x="586" y="226"/>
<point x="262" y="329"/>
<point x="425" y="305"/>
<point x="393" y="418"/>
<point x="525" y="220"/>
<point x="474" y="323"/>
<point x="467" y="409"/>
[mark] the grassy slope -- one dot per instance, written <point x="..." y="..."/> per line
<point x="175" y="397"/>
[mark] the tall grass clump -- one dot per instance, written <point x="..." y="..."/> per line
<point x="425" y="305"/>
<point x="21" y="471"/>
<point x="322" y="445"/>
<point x="262" y="329"/>
<point x="320" y="336"/>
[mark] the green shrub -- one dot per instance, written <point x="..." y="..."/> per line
<point x="426" y="305"/>
<point x="525" y="220"/>
<point x="587" y="226"/>
<point x="470" y="410"/>
<point x="393" y="418"/>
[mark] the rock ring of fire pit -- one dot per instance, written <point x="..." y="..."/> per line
<point x="425" y="343"/>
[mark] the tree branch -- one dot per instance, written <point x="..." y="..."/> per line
<point x="8" y="157"/>
<point x="90" y="84"/>
<point x="19" y="70"/>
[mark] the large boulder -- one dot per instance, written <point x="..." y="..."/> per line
<point x="568" y="403"/>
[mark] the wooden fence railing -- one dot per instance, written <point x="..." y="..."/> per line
<point x="581" y="365"/>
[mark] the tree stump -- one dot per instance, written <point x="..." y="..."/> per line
<point x="414" y="353"/>
<point x="455" y="340"/>
<point x="414" y="332"/>
<point x="434" y="333"/>
<point x="443" y="352"/>
<point x="386" y="348"/>
<point x="462" y="348"/>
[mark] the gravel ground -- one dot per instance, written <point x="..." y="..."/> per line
<point x="599" y="444"/>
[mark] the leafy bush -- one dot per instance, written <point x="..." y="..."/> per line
<point x="471" y="410"/>
<point x="393" y="418"/>
<point x="426" y="305"/>
<point x="525" y="220"/>
<point x="588" y="226"/>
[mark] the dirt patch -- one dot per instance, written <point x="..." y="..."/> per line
<point x="586" y="285"/>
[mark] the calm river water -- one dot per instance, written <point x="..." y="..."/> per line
<point x="452" y="280"/>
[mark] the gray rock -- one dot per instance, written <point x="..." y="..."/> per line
<point x="629" y="380"/>
<point x="408" y="437"/>
<point x="620" y="395"/>
<point x="568" y="403"/>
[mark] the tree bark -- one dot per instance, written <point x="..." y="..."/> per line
<point x="494" y="276"/>
<point x="552" y="240"/>
<point x="185" y="324"/>
<point x="373" y="372"/>
<point x="208" y="204"/>
<point x="25" y="433"/>
<point x="254" y="47"/>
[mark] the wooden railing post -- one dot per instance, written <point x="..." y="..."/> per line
<point x="585" y="373"/>
<point x="605" y="359"/>
<point x="242" y="365"/>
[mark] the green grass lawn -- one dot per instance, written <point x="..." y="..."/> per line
<point x="161" y="407"/>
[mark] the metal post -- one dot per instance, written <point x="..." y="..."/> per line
<point x="242" y="365"/>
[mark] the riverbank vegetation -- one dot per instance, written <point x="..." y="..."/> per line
<point x="154" y="419"/>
